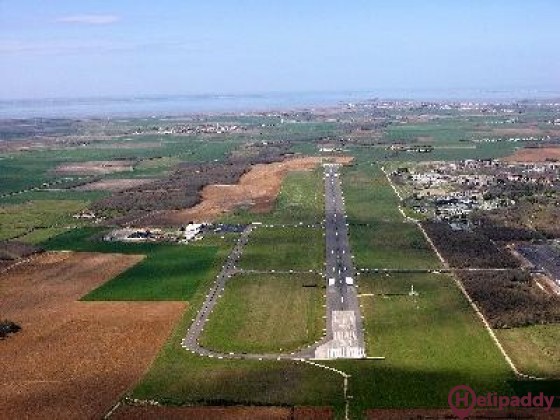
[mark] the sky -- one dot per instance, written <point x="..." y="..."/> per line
<point x="92" y="48"/>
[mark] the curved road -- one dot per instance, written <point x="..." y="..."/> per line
<point x="344" y="337"/>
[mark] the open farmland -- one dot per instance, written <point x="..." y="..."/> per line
<point x="74" y="359"/>
<point x="18" y="220"/>
<point x="114" y="184"/>
<point x="535" y="154"/>
<point x="182" y="187"/>
<point x="169" y="272"/>
<point x="300" y="199"/>
<point x="173" y="174"/>
<point x="281" y="249"/>
<point x="95" y="167"/>
<point x="246" y="318"/>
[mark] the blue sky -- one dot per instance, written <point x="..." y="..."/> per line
<point x="62" y="48"/>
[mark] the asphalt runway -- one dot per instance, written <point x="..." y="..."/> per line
<point x="344" y="322"/>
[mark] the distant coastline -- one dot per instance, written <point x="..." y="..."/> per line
<point x="175" y="105"/>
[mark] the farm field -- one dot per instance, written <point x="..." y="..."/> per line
<point x="281" y="249"/>
<point x="139" y="299"/>
<point x="267" y="313"/>
<point x="53" y="195"/>
<point x="19" y="219"/>
<point x="300" y="199"/>
<point x="254" y="195"/>
<point x="74" y="359"/>
<point x="169" y="272"/>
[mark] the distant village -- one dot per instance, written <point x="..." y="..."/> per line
<point x="216" y="128"/>
<point x="451" y="191"/>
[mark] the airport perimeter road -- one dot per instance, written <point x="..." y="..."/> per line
<point x="344" y="322"/>
<point x="190" y="342"/>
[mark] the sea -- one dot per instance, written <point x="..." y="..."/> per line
<point x="177" y="105"/>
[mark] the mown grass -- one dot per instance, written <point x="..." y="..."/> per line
<point x="391" y="245"/>
<point x="267" y="313"/>
<point x="534" y="349"/>
<point x="179" y="377"/>
<point x="369" y="196"/>
<point x="18" y="219"/>
<point x="379" y="236"/>
<point x="169" y="271"/>
<point x="431" y="342"/>
<point x="301" y="199"/>
<point x="300" y="248"/>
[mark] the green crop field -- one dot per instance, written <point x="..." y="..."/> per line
<point x="53" y="195"/>
<point x="169" y="272"/>
<point x="289" y="248"/>
<point x="267" y="313"/>
<point x="41" y="215"/>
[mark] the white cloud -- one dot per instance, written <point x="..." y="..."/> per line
<point x="89" y="19"/>
<point x="72" y="47"/>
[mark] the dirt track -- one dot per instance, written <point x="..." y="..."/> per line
<point x="256" y="190"/>
<point x="74" y="359"/>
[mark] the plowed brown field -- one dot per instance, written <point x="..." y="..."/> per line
<point x="538" y="154"/>
<point x="74" y="359"/>
<point x="101" y="167"/>
<point x="257" y="189"/>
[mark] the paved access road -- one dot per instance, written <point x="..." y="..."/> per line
<point x="191" y="340"/>
<point x="344" y="338"/>
<point x="344" y="322"/>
